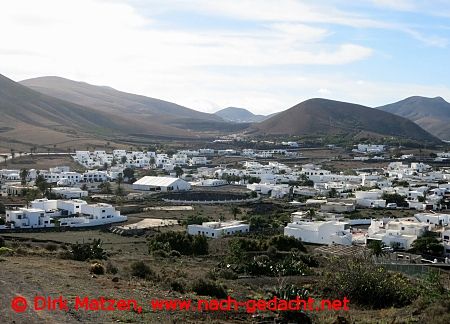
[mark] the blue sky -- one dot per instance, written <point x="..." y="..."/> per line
<point x="262" y="55"/>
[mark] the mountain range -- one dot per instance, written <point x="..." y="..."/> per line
<point x="432" y="114"/>
<point x="155" y="113"/>
<point x="51" y="110"/>
<point x="240" y="115"/>
<point x="31" y="117"/>
<point x="330" y="117"/>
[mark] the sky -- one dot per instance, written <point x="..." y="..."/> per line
<point x="263" y="55"/>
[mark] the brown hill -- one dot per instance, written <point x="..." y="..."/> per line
<point x="326" y="117"/>
<point x="109" y="100"/>
<point x="239" y="115"/>
<point x="29" y="117"/>
<point x="432" y="114"/>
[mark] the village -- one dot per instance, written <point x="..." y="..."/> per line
<point x="331" y="206"/>
<point x="217" y="219"/>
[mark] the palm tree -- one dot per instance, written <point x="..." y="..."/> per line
<point x="376" y="248"/>
<point x="179" y="171"/>
<point x="119" y="181"/>
<point x="24" y="173"/>
<point x="31" y="195"/>
<point x="41" y="183"/>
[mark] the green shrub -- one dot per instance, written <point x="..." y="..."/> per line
<point x="141" y="270"/>
<point x="65" y="255"/>
<point x="4" y="251"/>
<point x="208" y="288"/>
<point x="184" y="243"/>
<point x="161" y="253"/>
<point x="195" y="219"/>
<point x="260" y="266"/>
<point x="199" y="245"/>
<point x="286" y="243"/>
<point x="368" y="285"/>
<point x="86" y="251"/>
<point x="291" y="292"/>
<point x="111" y="268"/>
<point x="428" y="244"/>
<point x="309" y="260"/>
<point x="97" y="268"/>
<point x="227" y="274"/>
<point x="51" y="247"/>
<point x="289" y="265"/>
<point x="177" y="285"/>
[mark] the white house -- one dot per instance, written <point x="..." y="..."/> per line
<point x="70" y="207"/>
<point x="337" y="207"/>
<point x="199" y="160"/>
<point x="161" y="184"/>
<point x="56" y="175"/>
<point x="369" y="148"/>
<point x="95" y="176"/>
<point x="48" y="205"/>
<point x="28" y="218"/>
<point x="320" y="232"/>
<point x="94" y="215"/>
<point x="371" y="199"/>
<point x="275" y="191"/>
<point x="49" y="211"/>
<point x="211" y="183"/>
<point x="434" y="219"/>
<point x="218" y="229"/>
<point x="396" y="232"/>
<point x="69" y="192"/>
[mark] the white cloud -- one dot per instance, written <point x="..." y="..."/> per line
<point x="402" y="5"/>
<point x="430" y="40"/>
<point x="112" y="43"/>
<point x="293" y="12"/>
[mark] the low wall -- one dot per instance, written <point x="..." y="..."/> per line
<point x="205" y="202"/>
